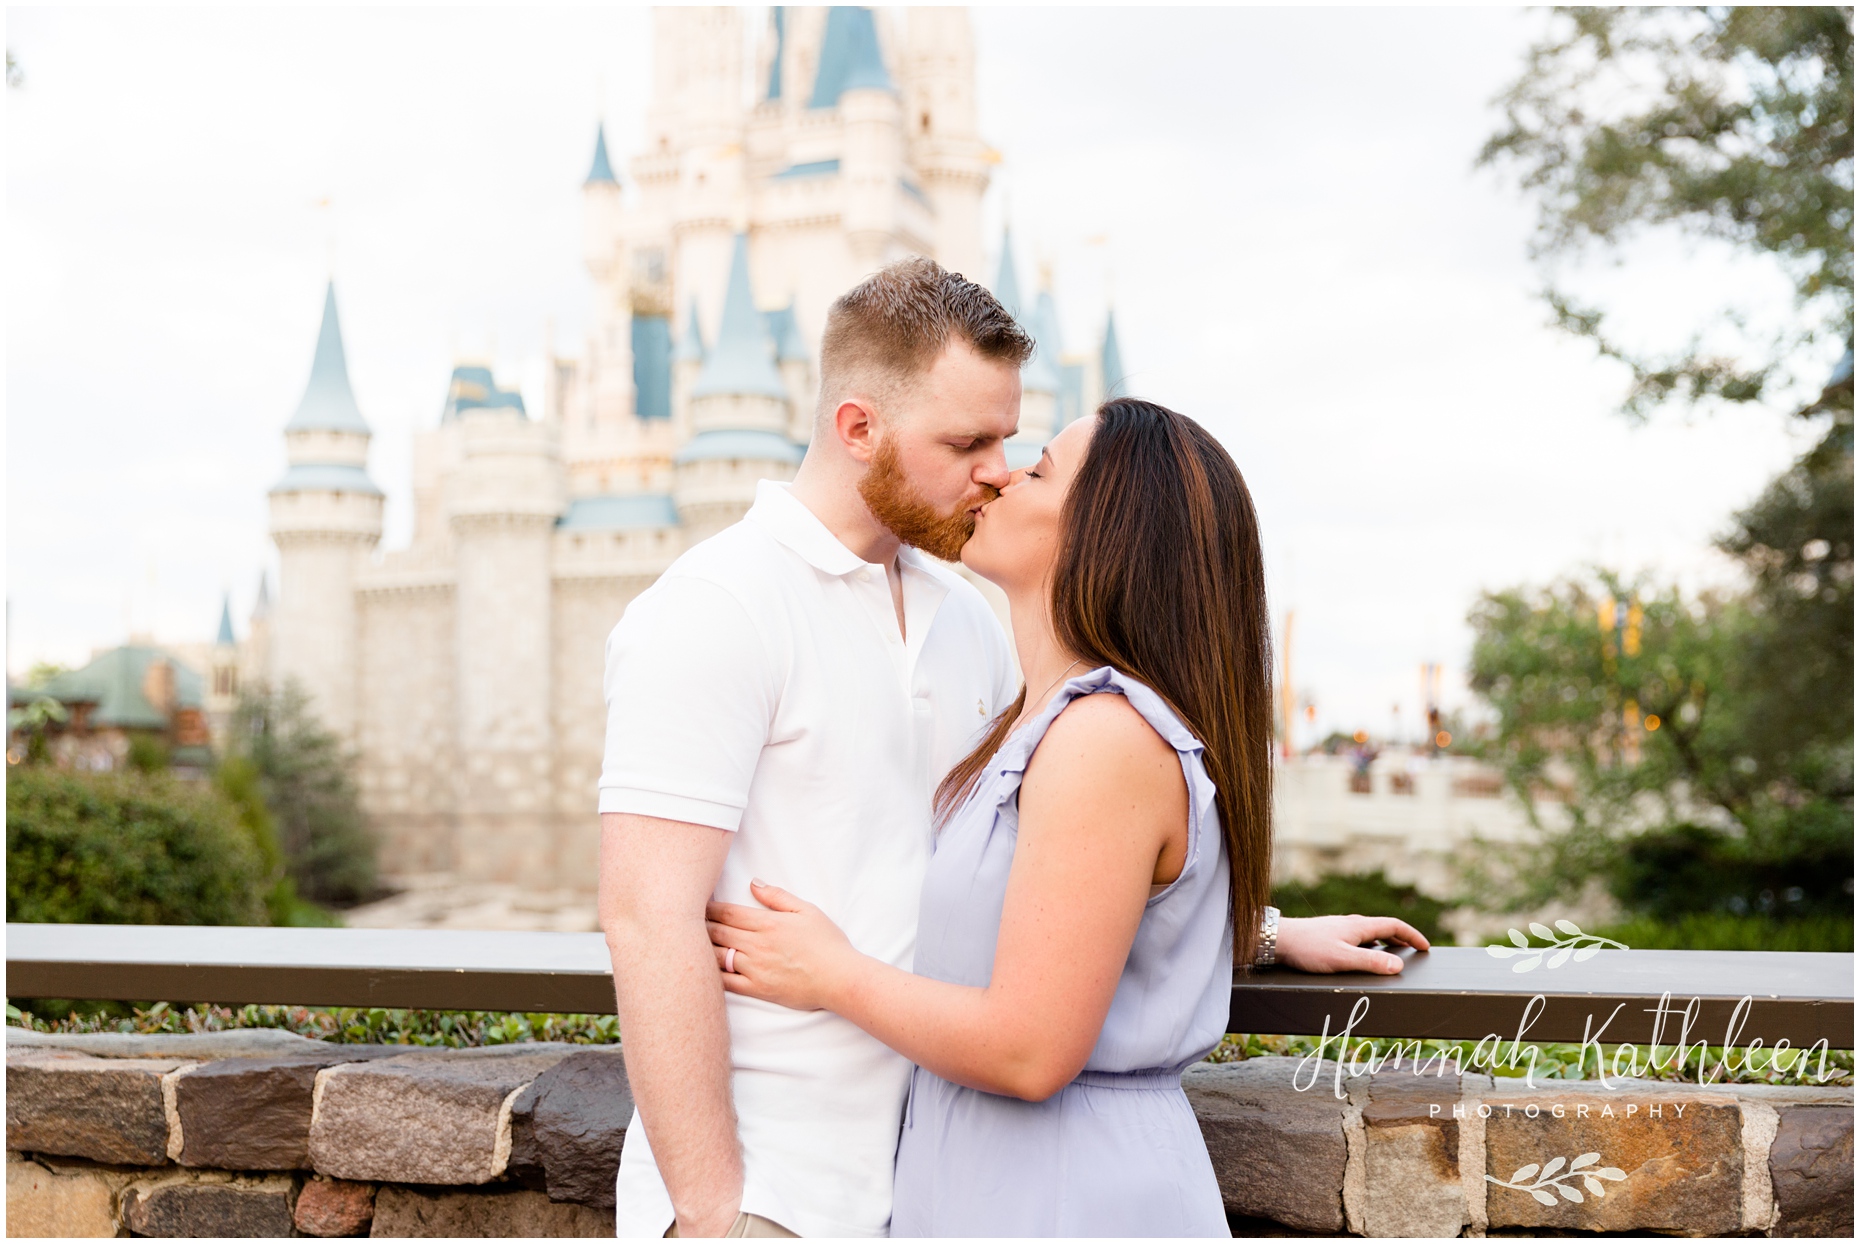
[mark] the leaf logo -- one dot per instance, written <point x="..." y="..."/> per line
<point x="1576" y="944"/>
<point x="1553" y="1175"/>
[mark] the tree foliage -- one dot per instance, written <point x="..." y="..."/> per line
<point x="1730" y="123"/>
<point x="1646" y="716"/>
<point x="303" y="776"/>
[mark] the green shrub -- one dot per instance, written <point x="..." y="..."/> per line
<point x="126" y="848"/>
<point x="1802" y="866"/>
<point x="1363" y="894"/>
<point x="1723" y="931"/>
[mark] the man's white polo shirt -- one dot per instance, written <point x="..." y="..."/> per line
<point x="761" y="686"/>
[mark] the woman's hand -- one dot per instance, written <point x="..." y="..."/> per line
<point x="1336" y="943"/>
<point x="786" y="951"/>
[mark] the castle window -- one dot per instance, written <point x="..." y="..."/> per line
<point x="923" y="123"/>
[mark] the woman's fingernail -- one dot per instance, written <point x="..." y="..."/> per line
<point x="759" y="881"/>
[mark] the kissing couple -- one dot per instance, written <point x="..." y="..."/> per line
<point x="901" y="947"/>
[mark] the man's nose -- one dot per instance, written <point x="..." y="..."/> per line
<point x="993" y="470"/>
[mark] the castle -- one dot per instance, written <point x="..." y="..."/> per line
<point x="465" y="669"/>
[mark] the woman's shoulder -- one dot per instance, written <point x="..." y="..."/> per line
<point x="1103" y="738"/>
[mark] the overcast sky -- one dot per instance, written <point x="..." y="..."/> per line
<point x="1301" y="254"/>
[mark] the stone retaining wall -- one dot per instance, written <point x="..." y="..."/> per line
<point x="266" y="1133"/>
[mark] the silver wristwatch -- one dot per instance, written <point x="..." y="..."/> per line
<point x="1268" y="953"/>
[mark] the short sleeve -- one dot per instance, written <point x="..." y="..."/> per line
<point x="690" y="688"/>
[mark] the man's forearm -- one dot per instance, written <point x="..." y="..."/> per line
<point x="677" y="1047"/>
<point x="655" y="878"/>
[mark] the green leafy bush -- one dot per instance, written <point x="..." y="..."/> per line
<point x="1364" y="894"/>
<point x="341" y="1025"/>
<point x="1723" y="931"/>
<point x="1806" y="869"/>
<point x="126" y="848"/>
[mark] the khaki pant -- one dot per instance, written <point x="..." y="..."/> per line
<point x="748" y="1227"/>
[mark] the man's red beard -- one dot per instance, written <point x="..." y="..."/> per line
<point x="895" y="502"/>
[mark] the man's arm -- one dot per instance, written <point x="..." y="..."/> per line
<point x="656" y="877"/>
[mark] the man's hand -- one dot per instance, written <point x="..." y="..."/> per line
<point x="1336" y="943"/>
<point x="656" y="876"/>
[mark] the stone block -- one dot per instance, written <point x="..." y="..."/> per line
<point x="253" y="1114"/>
<point x="429" y="1117"/>
<point x="1670" y="1162"/>
<point x="74" y="1202"/>
<point x="1412" y="1155"/>
<point x="569" y="1124"/>
<point x="192" y="1046"/>
<point x="1278" y="1153"/>
<point x="1812" y="1171"/>
<point x="333" y="1207"/>
<point x="105" y="1109"/>
<point x="212" y="1204"/>
<point x="433" y="1212"/>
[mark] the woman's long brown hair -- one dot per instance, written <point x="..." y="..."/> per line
<point x="1159" y="576"/>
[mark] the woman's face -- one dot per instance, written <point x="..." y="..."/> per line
<point x="1016" y="538"/>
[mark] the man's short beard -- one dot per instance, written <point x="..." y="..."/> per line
<point x="895" y="502"/>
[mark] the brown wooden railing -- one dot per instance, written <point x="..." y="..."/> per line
<point x="1457" y="993"/>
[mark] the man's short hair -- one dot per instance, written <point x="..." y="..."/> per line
<point x="894" y="324"/>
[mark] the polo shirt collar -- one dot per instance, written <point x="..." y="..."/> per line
<point x="777" y="512"/>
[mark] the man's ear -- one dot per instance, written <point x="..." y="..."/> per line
<point x="856" y="426"/>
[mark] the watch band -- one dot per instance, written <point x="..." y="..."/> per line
<point x="1268" y="952"/>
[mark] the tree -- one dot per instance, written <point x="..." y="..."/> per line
<point x="303" y="775"/>
<point x="1729" y="123"/>
<point x="1640" y="711"/>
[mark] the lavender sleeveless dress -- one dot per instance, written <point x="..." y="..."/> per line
<point x="1117" y="1151"/>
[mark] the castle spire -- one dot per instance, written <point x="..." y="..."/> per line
<point x="743" y="360"/>
<point x="602" y="172"/>
<point x="328" y="403"/>
<point x="781" y="49"/>
<point x="690" y="348"/>
<point x="225" y="636"/>
<point x="1007" y="282"/>
<point x="1111" y="360"/>
<point x="849" y="57"/>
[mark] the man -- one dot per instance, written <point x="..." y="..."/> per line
<point x="781" y="704"/>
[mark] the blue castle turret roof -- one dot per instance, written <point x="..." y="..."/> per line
<point x="743" y="361"/>
<point x="328" y="402"/>
<point x="849" y="57"/>
<point x="1111" y="359"/>
<point x="225" y="635"/>
<point x="602" y="171"/>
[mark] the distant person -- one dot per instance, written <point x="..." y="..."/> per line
<point x="781" y="706"/>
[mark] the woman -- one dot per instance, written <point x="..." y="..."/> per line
<point x="1103" y="857"/>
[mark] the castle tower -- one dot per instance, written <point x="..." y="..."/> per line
<point x="945" y="145"/>
<point x="611" y="356"/>
<point x="222" y="677"/>
<point x="501" y="503"/>
<point x="697" y="115"/>
<point x="852" y="76"/>
<point x="325" y="517"/>
<point x="255" y="655"/>
<point x="739" y="416"/>
<point x="1039" y="379"/>
<point x="1111" y="360"/>
<point x="797" y="372"/>
<point x="687" y="362"/>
